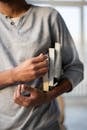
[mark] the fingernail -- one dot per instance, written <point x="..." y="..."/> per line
<point x="41" y="54"/>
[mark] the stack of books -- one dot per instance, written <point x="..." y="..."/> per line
<point x="54" y="56"/>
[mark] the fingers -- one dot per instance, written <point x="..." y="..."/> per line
<point x="41" y="67"/>
<point x="18" y="91"/>
<point x="36" y="97"/>
<point x="24" y="90"/>
<point x="23" y="87"/>
<point x="39" y="58"/>
<point x="41" y="72"/>
<point x="17" y="95"/>
<point x="19" y="99"/>
<point x="43" y="64"/>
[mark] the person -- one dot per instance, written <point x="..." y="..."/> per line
<point x="26" y="33"/>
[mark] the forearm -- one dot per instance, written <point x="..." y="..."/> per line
<point x="63" y="87"/>
<point x="7" y="78"/>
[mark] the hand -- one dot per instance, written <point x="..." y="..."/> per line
<point x="36" y="97"/>
<point x="31" y="69"/>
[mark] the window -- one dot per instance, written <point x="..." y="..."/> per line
<point x="85" y="24"/>
<point x="71" y="16"/>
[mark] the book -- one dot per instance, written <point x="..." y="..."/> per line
<point x="54" y="55"/>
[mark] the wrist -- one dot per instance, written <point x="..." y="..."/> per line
<point x="63" y="87"/>
<point x="14" y="75"/>
<point x="49" y="96"/>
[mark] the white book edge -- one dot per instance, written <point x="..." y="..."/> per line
<point x="51" y="66"/>
<point x="58" y="60"/>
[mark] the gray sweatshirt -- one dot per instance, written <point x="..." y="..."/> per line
<point x="33" y="33"/>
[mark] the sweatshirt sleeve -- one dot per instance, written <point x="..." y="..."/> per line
<point x="72" y="67"/>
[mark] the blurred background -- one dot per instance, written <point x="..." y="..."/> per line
<point x="74" y="13"/>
